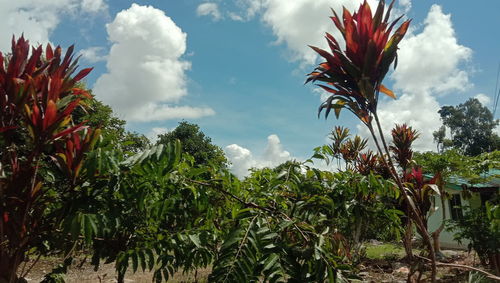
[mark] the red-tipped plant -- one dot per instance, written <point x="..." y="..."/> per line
<point x="353" y="76"/>
<point x="403" y="137"/>
<point x="37" y="99"/>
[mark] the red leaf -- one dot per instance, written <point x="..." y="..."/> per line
<point x="36" y="115"/>
<point x="76" y="128"/>
<point x="69" y="109"/>
<point x="3" y="129"/>
<point x="50" y="114"/>
<point x="48" y="52"/>
<point x="83" y="73"/>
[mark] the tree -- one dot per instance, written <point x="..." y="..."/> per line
<point x="98" y="114"/>
<point x="471" y="126"/>
<point x="195" y="143"/>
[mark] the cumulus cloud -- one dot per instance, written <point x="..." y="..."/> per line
<point x="145" y="70"/>
<point x="430" y="60"/>
<point x="209" y="9"/>
<point x="483" y="98"/>
<point x="301" y="22"/>
<point x="431" y="63"/>
<point x="37" y="19"/>
<point x="242" y="158"/>
<point x="93" y="54"/>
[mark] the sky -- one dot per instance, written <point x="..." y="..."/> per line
<point x="237" y="68"/>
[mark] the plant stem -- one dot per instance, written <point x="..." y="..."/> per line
<point x="417" y="217"/>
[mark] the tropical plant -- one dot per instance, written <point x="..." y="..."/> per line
<point x="302" y="229"/>
<point x="37" y="133"/>
<point x="475" y="226"/>
<point x="354" y="78"/>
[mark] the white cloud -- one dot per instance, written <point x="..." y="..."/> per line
<point x="247" y="9"/>
<point x="36" y="19"/>
<point x="209" y="9"/>
<point x="274" y="153"/>
<point x="483" y="98"/>
<point x="430" y="60"/>
<point x="155" y="112"/>
<point x="242" y="158"/>
<point x="323" y="94"/>
<point x="146" y="73"/>
<point x="302" y="22"/>
<point x="405" y="6"/>
<point x="155" y="131"/>
<point x="94" y="5"/>
<point x="430" y="64"/>
<point x="93" y="54"/>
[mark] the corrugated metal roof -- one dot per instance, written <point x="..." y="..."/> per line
<point x="456" y="182"/>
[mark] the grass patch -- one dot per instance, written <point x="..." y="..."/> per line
<point x="384" y="251"/>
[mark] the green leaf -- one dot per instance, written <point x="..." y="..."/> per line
<point x="195" y="239"/>
<point x="270" y="261"/>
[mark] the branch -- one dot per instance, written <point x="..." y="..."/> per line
<point x="238" y="199"/>
<point x="252" y="205"/>
<point x="489" y="275"/>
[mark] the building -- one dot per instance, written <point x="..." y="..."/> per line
<point x="462" y="193"/>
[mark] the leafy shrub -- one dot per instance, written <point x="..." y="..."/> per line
<point x="476" y="227"/>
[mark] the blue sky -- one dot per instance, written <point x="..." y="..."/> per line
<point x="237" y="67"/>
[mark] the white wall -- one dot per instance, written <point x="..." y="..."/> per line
<point x="436" y="218"/>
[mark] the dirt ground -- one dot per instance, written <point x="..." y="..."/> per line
<point x="371" y="270"/>
<point x="105" y="274"/>
<point x="385" y="270"/>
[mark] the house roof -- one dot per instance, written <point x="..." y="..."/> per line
<point x="492" y="182"/>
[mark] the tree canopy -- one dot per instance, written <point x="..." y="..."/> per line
<point x="471" y="127"/>
<point x="196" y="143"/>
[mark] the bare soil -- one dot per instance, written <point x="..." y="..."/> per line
<point x="106" y="274"/>
<point x="371" y="270"/>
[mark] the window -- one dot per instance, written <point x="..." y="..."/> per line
<point x="486" y="196"/>
<point x="455" y="207"/>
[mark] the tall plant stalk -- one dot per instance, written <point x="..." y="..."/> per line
<point x="353" y="76"/>
<point x="417" y="216"/>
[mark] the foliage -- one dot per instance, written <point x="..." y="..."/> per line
<point x="196" y="143"/>
<point x="354" y="79"/>
<point x="471" y="127"/>
<point x="476" y="227"/>
<point x="38" y="134"/>
<point x="99" y="115"/>
<point x="403" y="137"/>
<point x="356" y="74"/>
<point x="451" y="163"/>
<point x="350" y="150"/>
<point x="316" y="217"/>
<point x="151" y="216"/>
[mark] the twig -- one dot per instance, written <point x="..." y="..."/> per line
<point x="240" y="247"/>
<point x="296" y="227"/>
<point x="252" y="204"/>
<point x="489" y="275"/>
<point x="32" y="265"/>
<point x="245" y="203"/>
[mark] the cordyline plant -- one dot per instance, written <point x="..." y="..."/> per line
<point x="354" y="78"/>
<point x="37" y="99"/>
